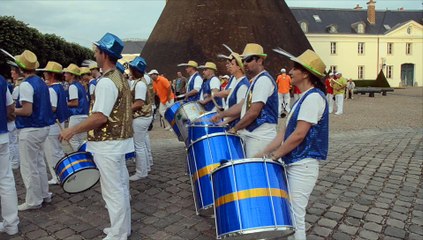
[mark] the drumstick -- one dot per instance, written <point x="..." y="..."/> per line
<point x="61" y="129"/>
<point x="218" y="108"/>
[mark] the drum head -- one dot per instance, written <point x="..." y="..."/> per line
<point x="81" y="180"/>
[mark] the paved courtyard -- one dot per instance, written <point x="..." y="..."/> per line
<point x="369" y="188"/>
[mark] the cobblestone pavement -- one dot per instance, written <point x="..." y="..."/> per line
<point x="369" y="188"/>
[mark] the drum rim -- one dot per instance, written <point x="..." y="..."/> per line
<point x="69" y="155"/>
<point x="259" y="230"/>
<point x="80" y="170"/>
<point x="169" y="108"/>
<point x="205" y="114"/>
<point x="207" y="125"/>
<point x="182" y="107"/>
<point x="212" y="135"/>
<point x="244" y="160"/>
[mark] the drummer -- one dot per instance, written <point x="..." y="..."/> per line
<point x="258" y="112"/>
<point x="95" y="74"/>
<point x="304" y="139"/>
<point x="194" y="82"/>
<point x="211" y="85"/>
<point x="108" y="140"/>
<point x="52" y="146"/>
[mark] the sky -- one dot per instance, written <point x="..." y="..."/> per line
<point x="85" y="21"/>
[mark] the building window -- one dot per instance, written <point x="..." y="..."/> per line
<point x="333" y="68"/>
<point x="390" y="48"/>
<point x="304" y="27"/>
<point x="360" y="72"/>
<point x="408" y="48"/>
<point x="389" y="71"/>
<point x="360" y="28"/>
<point x="333" y="48"/>
<point x="361" y="48"/>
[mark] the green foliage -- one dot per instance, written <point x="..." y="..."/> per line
<point x="16" y="36"/>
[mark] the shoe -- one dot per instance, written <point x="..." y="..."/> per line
<point x="107" y="231"/>
<point x="168" y="128"/>
<point x="24" y="206"/>
<point x="53" y="182"/>
<point x="15" y="165"/>
<point x="48" y="198"/>
<point x="9" y="230"/>
<point x="135" y="177"/>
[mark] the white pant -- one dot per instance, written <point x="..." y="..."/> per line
<point x="140" y="126"/>
<point x="254" y="145"/>
<point x="13" y="145"/>
<point x="114" y="182"/>
<point x="302" y="177"/>
<point x="162" y="110"/>
<point x="8" y="196"/>
<point x="339" y="103"/>
<point x="284" y="100"/>
<point x="78" y="139"/>
<point x="33" y="167"/>
<point x="329" y="98"/>
<point x="53" y="150"/>
<point x="150" y="155"/>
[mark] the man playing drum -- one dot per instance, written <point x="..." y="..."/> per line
<point x="110" y="135"/>
<point x="194" y="82"/>
<point x="211" y="85"/>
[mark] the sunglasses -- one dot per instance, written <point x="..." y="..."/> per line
<point x="250" y="59"/>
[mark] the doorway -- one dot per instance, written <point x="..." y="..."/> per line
<point x="407" y="74"/>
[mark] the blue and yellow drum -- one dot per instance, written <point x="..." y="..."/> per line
<point x="204" y="155"/>
<point x="170" y="116"/>
<point x="203" y="126"/>
<point x="251" y="200"/>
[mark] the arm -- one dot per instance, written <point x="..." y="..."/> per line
<point x="249" y="116"/>
<point x="137" y="105"/>
<point x="73" y="103"/>
<point x="276" y="143"/>
<point x="222" y="94"/>
<point x="25" y="110"/>
<point x="95" y="120"/>
<point x="295" y="139"/>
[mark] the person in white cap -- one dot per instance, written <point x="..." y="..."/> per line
<point x="339" y="85"/>
<point x="163" y="90"/>
<point x="284" y="85"/>
<point x="8" y="196"/>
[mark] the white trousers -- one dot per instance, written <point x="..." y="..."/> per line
<point x="302" y="177"/>
<point x="162" y="110"/>
<point x="254" y="145"/>
<point x="114" y="180"/>
<point x="78" y="139"/>
<point x="329" y="98"/>
<point x="339" y="103"/>
<point x="140" y="126"/>
<point x="8" y="196"/>
<point x="13" y="146"/>
<point x="33" y="167"/>
<point x="53" y="150"/>
<point x="148" y="145"/>
<point x="284" y="100"/>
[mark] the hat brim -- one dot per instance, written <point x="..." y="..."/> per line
<point x="263" y="55"/>
<point x="47" y="70"/>
<point x="186" y="65"/>
<point x="204" y="67"/>
<point x="69" y="71"/>
<point x="309" y="68"/>
<point x="107" y="51"/>
<point x="23" y="66"/>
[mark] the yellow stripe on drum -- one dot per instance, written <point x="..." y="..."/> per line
<point x="204" y="171"/>
<point x="71" y="165"/>
<point x="173" y="123"/>
<point x="251" y="193"/>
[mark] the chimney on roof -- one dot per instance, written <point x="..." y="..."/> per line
<point x="371" y="12"/>
<point x="401" y="9"/>
<point x="358" y="7"/>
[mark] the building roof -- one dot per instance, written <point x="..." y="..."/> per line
<point x="346" y="20"/>
<point x="133" y="46"/>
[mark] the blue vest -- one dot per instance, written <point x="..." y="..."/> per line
<point x="91" y="83"/>
<point x="196" y="97"/>
<point x="62" y="111"/>
<point x="42" y="114"/>
<point x="3" y="107"/>
<point x="315" y="145"/>
<point x="205" y="89"/>
<point x="83" y="105"/>
<point x="233" y="99"/>
<point x="269" y="113"/>
<point x="10" y="86"/>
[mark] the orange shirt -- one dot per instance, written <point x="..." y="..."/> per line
<point x="162" y="87"/>
<point x="284" y="83"/>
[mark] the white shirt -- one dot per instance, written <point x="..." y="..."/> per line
<point x="214" y="84"/>
<point x="106" y="94"/>
<point x="198" y="81"/>
<point x="140" y="91"/>
<point x="73" y="92"/>
<point x="53" y="97"/>
<point x="240" y="94"/>
<point x="26" y="92"/>
<point x="312" y="108"/>
<point x="92" y="86"/>
<point x="15" y="93"/>
<point x="263" y="89"/>
<point x="4" y="137"/>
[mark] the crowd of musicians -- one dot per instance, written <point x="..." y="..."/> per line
<point x="114" y="115"/>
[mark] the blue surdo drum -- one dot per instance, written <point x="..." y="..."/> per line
<point x="203" y="126"/>
<point x="170" y="116"/>
<point x="128" y="156"/>
<point x="204" y="155"/>
<point x="77" y="172"/>
<point x="251" y="200"/>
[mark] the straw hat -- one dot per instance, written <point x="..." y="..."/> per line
<point x="190" y="63"/>
<point x="225" y="76"/>
<point x="208" y="65"/>
<point x="110" y="44"/>
<point x="52" y="67"/>
<point x="312" y="62"/>
<point x="84" y="70"/>
<point x="27" y="60"/>
<point x="93" y="65"/>
<point x="154" y="71"/>
<point x="72" y="68"/>
<point x="253" y="49"/>
<point x="138" y="64"/>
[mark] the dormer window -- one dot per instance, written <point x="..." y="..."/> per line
<point x="317" y="18"/>
<point x="360" y="28"/>
<point x="304" y="27"/>
<point x="332" y="29"/>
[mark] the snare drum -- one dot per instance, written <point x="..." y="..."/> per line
<point x="186" y="114"/>
<point x="251" y="200"/>
<point x="77" y="172"/>
<point x="170" y="115"/>
<point x="204" y="155"/>
<point x="128" y="156"/>
<point x="203" y="126"/>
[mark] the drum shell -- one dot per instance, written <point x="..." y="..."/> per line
<point x="185" y="115"/>
<point x="254" y="209"/>
<point x="170" y="116"/>
<point x="206" y="154"/>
